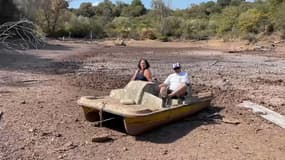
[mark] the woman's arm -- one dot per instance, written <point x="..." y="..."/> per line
<point x="148" y="75"/>
<point x="134" y="76"/>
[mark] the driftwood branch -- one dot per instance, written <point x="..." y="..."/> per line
<point x="20" y="34"/>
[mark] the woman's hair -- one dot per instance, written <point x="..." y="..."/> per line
<point x="146" y="63"/>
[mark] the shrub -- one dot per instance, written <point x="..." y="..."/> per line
<point x="196" y="29"/>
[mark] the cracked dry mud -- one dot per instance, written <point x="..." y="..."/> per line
<point x="41" y="120"/>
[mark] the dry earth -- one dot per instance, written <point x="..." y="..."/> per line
<point x="39" y="117"/>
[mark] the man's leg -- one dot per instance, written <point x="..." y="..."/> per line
<point x="180" y="91"/>
<point x="163" y="91"/>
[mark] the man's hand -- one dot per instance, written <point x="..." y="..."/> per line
<point x="162" y="85"/>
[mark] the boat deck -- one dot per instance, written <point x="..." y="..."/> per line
<point x="114" y="106"/>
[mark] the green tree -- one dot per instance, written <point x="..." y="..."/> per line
<point x="86" y="10"/>
<point x="172" y="26"/>
<point x="250" y="21"/>
<point x="120" y="27"/>
<point x="50" y="13"/>
<point x="195" y="29"/>
<point x="227" y="21"/>
<point x="120" y="7"/>
<point x="203" y="10"/>
<point x="223" y="3"/>
<point x="135" y="9"/>
<point x="106" y="9"/>
<point x="279" y="18"/>
<point x="160" y="9"/>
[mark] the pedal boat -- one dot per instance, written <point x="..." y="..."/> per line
<point x="139" y="107"/>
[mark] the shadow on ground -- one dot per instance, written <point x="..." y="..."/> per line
<point x="57" y="47"/>
<point x="13" y="60"/>
<point x="174" y="131"/>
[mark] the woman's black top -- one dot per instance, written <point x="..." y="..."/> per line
<point x="140" y="76"/>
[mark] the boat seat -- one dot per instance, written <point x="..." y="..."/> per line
<point x="180" y="100"/>
<point x="133" y="92"/>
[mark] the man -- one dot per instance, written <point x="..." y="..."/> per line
<point x="175" y="85"/>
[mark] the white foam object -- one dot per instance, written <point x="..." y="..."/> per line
<point x="266" y="113"/>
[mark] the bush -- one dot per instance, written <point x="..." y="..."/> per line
<point x="83" y="27"/>
<point x="119" y="27"/>
<point x="250" y="21"/>
<point x="250" y="37"/>
<point x="163" y="38"/>
<point x="148" y="34"/>
<point x="227" y="21"/>
<point x="196" y="29"/>
<point x="172" y="26"/>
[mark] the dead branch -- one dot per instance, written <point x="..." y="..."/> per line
<point x="20" y="34"/>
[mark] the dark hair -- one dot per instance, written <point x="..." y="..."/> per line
<point x="146" y="63"/>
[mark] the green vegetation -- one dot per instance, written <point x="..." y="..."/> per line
<point x="228" y="19"/>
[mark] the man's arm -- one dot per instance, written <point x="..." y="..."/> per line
<point x="186" y="79"/>
<point x="166" y="83"/>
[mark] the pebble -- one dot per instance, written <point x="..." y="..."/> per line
<point x="23" y="102"/>
<point x="31" y="130"/>
<point x="165" y="152"/>
<point x="101" y="138"/>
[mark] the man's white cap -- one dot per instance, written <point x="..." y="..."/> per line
<point x="176" y="65"/>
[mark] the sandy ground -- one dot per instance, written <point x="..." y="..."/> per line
<point x="41" y="120"/>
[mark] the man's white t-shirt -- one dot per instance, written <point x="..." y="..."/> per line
<point x="176" y="79"/>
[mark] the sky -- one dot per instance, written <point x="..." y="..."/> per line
<point x="175" y="4"/>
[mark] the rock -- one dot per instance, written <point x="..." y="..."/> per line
<point x="120" y="42"/>
<point x="40" y="102"/>
<point x="31" y="130"/>
<point x="125" y="149"/>
<point x="68" y="146"/>
<point x="230" y="121"/>
<point x="23" y="102"/>
<point x="61" y="156"/>
<point x="165" y="152"/>
<point x="46" y="134"/>
<point x="257" y="130"/>
<point x="1" y="114"/>
<point x="204" y="128"/>
<point x="101" y="138"/>
<point x="58" y="135"/>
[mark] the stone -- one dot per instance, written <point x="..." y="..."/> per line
<point x="101" y="138"/>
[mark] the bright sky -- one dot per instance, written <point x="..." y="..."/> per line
<point x="181" y="4"/>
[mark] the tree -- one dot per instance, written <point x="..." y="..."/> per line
<point x="195" y="29"/>
<point x="172" y="26"/>
<point x="223" y="3"/>
<point x="8" y="11"/>
<point x="120" y="7"/>
<point x="106" y="9"/>
<point x="250" y="21"/>
<point x="86" y="10"/>
<point x="50" y="13"/>
<point x="279" y="18"/>
<point x="135" y="9"/>
<point x="227" y="21"/>
<point x="120" y="27"/>
<point x="160" y="9"/>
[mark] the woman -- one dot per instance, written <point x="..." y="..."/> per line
<point x="143" y="73"/>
